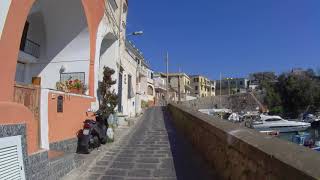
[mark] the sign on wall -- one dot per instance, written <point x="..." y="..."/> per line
<point x="4" y="8"/>
<point x="60" y="104"/>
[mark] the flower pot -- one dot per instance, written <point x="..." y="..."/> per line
<point x="76" y="91"/>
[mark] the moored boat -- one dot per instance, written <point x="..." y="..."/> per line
<point x="267" y="123"/>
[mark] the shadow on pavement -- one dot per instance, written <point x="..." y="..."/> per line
<point x="188" y="163"/>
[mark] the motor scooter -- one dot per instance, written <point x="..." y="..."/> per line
<point x="93" y="134"/>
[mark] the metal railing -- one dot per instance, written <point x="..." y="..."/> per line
<point x="31" y="48"/>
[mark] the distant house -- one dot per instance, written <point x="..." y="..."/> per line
<point x="202" y="86"/>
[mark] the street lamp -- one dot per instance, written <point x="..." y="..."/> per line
<point x="136" y="33"/>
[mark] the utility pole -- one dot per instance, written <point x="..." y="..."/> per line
<point x="179" y="87"/>
<point x="220" y="92"/>
<point x="229" y="85"/>
<point x="167" y="66"/>
<point x="220" y="89"/>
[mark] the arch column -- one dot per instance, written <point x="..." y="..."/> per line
<point x="11" y="37"/>
<point x="94" y="10"/>
<point x="10" y="43"/>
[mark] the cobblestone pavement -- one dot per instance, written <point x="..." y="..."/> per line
<point x="153" y="150"/>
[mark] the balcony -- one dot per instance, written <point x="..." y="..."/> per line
<point x="160" y="85"/>
<point x="111" y="18"/>
<point x="143" y="71"/>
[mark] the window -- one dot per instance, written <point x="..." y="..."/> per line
<point x="196" y="79"/>
<point x="150" y="90"/>
<point x="72" y="76"/>
<point x="273" y="119"/>
<point x="113" y="4"/>
<point x="125" y="8"/>
<point x="130" y="87"/>
<point x="196" y="88"/>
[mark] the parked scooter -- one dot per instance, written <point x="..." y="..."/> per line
<point x="93" y="134"/>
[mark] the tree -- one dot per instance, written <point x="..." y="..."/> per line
<point x="293" y="93"/>
<point x="108" y="99"/>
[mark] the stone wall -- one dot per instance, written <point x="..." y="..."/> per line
<point x="237" y="102"/>
<point x="239" y="153"/>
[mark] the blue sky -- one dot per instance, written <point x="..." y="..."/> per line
<point x="234" y="37"/>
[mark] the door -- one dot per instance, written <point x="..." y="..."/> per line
<point x="11" y="159"/>
<point x="120" y="92"/>
<point x="20" y="72"/>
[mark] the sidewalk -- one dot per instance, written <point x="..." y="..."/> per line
<point x="151" y="150"/>
<point x="91" y="159"/>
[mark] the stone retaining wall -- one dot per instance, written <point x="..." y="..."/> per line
<point x="241" y="153"/>
<point x="239" y="102"/>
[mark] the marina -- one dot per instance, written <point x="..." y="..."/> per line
<point x="304" y="132"/>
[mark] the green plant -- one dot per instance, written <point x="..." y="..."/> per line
<point x="108" y="98"/>
<point x="144" y="104"/>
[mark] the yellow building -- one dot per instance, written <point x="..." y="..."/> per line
<point x="202" y="86"/>
<point x="184" y="82"/>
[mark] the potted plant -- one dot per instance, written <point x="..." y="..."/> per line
<point x="108" y="98"/>
<point x="72" y="86"/>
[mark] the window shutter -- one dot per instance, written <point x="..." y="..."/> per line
<point x="11" y="159"/>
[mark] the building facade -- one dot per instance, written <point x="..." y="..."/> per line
<point x="43" y="44"/>
<point x="202" y="86"/>
<point x="160" y="85"/>
<point x="232" y="85"/>
<point x="179" y="86"/>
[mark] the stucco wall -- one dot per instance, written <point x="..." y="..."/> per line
<point x="241" y="153"/>
<point x="65" y="125"/>
<point x="12" y="114"/>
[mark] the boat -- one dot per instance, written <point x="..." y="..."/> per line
<point x="215" y="111"/>
<point x="271" y="133"/>
<point x="234" y="117"/>
<point x="267" y="123"/>
<point x="310" y="118"/>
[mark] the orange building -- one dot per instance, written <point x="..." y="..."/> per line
<point x="42" y="43"/>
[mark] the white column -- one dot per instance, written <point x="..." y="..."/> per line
<point x="44" y="122"/>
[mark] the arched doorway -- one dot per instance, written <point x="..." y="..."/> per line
<point x="52" y="35"/>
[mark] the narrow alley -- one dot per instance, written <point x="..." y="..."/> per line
<point x="154" y="150"/>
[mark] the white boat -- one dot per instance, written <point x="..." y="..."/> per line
<point x="214" y="111"/>
<point x="276" y="123"/>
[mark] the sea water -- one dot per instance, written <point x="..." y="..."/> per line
<point x="314" y="134"/>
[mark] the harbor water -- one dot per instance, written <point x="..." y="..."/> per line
<point x="314" y="134"/>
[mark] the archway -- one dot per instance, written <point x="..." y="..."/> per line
<point x="11" y="36"/>
<point x="63" y="30"/>
<point x="150" y="90"/>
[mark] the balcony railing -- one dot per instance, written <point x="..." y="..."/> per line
<point x="160" y="85"/>
<point x="29" y="96"/>
<point x="31" y="48"/>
